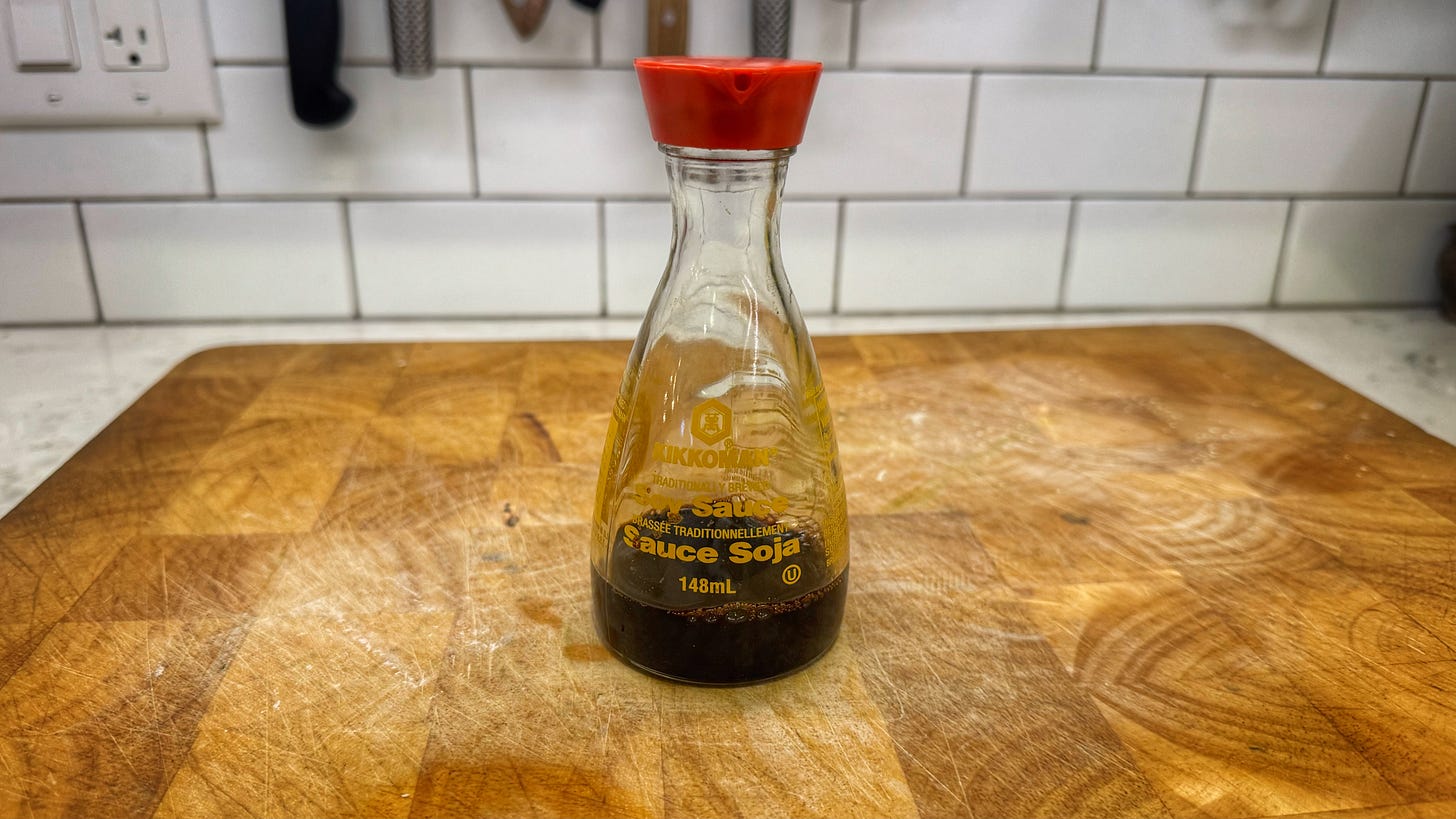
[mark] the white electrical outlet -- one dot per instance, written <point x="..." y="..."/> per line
<point x="105" y="62"/>
<point x="131" y="35"/>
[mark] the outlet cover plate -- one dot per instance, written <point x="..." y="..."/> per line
<point x="184" y="91"/>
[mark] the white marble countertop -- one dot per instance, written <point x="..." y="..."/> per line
<point x="60" y="386"/>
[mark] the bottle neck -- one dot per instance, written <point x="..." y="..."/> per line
<point x="725" y="280"/>
<point x="725" y="208"/>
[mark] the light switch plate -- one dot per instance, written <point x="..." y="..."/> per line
<point x="42" y="35"/>
<point x="156" y="67"/>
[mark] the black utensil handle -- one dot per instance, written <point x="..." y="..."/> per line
<point x="589" y="4"/>
<point x="314" y="31"/>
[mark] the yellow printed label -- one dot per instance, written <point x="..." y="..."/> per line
<point x="712" y="421"/>
<point x="729" y="457"/>
<point x="687" y="551"/>
<point x="702" y="585"/>
<point x="611" y="457"/>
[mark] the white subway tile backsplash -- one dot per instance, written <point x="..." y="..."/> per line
<point x="1014" y="106"/>
<point x="476" y="258"/>
<point x="405" y="137"/>
<point x="944" y="256"/>
<point x="475" y="31"/>
<point x="821" y="31"/>
<point x="563" y="132"/>
<point x="873" y="134"/>
<point x="1057" y="134"/>
<point x="1433" y="165"/>
<point x="43" y="274"/>
<point x="252" y="31"/>
<point x="976" y="33"/>
<point x="1372" y="252"/>
<point x="638" y="239"/>
<point x="1174" y="253"/>
<point x="714" y="30"/>
<point x="245" y="30"/>
<point x="219" y="260"/>
<point x="808" y="235"/>
<point x="639" y="236"/>
<point x="1306" y="136"/>
<point x="1198" y="35"/>
<point x="102" y="162"/>
<point x="1393" y="36"/>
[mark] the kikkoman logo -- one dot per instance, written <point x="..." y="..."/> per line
<point x="712" y="421"/>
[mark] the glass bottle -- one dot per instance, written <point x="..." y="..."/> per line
<point x="719" y="544"/>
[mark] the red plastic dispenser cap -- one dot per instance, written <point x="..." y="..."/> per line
<point x="727" y="103"/>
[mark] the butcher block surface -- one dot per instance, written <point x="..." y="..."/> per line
<point x="1146" y="571"/>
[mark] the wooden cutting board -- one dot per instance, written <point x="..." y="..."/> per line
<point x="1147" y="571"/>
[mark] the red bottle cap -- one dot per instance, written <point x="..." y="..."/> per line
<point x="727" y="103"/>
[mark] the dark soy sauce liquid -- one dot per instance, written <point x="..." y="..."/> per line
<point x="674" y="644"/>
<point x="758" y="633"/>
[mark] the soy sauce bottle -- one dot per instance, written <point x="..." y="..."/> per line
<point x="719" y="543"/>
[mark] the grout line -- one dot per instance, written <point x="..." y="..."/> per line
<point x="1198" y="133"/>
<point x="90" y="263"/>
<point x="207" y="162"/>
<point x="114" y="199"/>
<point x="998" y="70"/>
<point x="1324" y="56"/>
<point x="836" y="284"/>
<point x="627" y="325"/>
<point x="1097" y="35"/>
<point x="602" y="258"/>
<point x="1283" y="260"/>
<point x="936" y="196"/>
<point x="384" y="62"/>
<point x="353" y="279"/>
<point x="854" y="35"/>
<point x="970" y="132"/>
<point x="470" y="136"/>
<point x="1072" y="209"/>
<point x="1156" y="196"/>
<point x="1410" y="152"/>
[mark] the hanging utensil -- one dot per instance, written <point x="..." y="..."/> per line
<point x="772" y="22"/>
<point x="526" y="15"/>
<point x="590" y="5"/>
<point x="313" y="29"/>
<point x="412" y="37"/>
<point x="667" y="27"/>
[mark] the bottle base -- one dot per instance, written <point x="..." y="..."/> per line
<point x="740" y="644"/>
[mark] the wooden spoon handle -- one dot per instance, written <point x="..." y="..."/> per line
<point x="667" y="27"/>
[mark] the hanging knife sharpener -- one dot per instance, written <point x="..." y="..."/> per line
<point x="772" y="24"/>
<point x="412" y="37"/>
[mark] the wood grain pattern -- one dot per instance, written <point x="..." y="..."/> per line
<point x="1139" y="571"/>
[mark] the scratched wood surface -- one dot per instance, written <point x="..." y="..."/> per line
<point x="1148" y="571"/>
